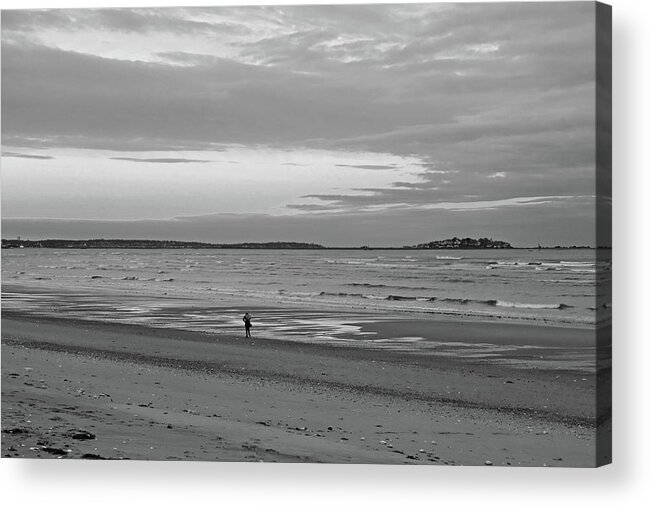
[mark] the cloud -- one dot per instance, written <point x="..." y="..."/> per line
<point x="147" y="20"/>
<point x="305" y="94"/>
<point x="225" y="102"/>
<point x="371" y="202"/>
<point x="368" y="166"/>
<point x="162" y="160"/>
<point x="496" y="100"/>
<point x="26" y="155"/>
<point x="309" y="207"/>
<point x="381" y="228"/>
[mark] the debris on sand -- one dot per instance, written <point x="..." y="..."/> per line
<point x="81" y="435"/>
<point x="56" y="451"/>
<point x="15" y="431"/>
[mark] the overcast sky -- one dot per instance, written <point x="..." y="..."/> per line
<point x="342" y="125"/>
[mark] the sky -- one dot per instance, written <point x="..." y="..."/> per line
<point x="342" y="125"/>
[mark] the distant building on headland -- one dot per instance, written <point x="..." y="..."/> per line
<point x="464" y="243"/>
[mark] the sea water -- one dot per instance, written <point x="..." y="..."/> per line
<point x="334" y="297"/>
<point x="545" y="287"/>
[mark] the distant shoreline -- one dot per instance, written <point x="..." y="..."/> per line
<point x="139" y="244"/>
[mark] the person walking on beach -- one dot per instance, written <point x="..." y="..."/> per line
<point x="247" y="324"/>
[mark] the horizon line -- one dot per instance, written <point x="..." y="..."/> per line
<point x="321" y="246"/>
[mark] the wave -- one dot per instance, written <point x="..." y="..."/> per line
<point x="570" y="281"/>
<point x="348" y="261"/>
<point x="605" y="306"/>
<point x="462" y="301"/>
<point x="459" y="301"/>
<point x="342" y="294"/>
<point x="370" y="285"/>
<point x="402" y="298"/>
<point x="532" y="306"/>
<point x="371" y="263"/>
<point x="448" y="258"/>
<point x="391" y="297"/>
<point x="563" y="266"/>
<point x="508" y="265"/>
<point x="508" y="304"/>
<point x="401" y="287"/>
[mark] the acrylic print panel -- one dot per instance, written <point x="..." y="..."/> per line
<point x="342" y="234"/>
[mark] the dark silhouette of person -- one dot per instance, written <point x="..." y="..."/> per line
<point x="247" y="324"/>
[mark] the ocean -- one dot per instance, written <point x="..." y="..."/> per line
<point x="556" y="287"/>
<point x="384" y="299"/>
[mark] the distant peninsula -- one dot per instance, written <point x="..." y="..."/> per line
<point x="452" y="243"/>
<point x="149" y="244"/>
<point x="462" y="243"/>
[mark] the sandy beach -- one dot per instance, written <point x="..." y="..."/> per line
<point x="81" y="389"/>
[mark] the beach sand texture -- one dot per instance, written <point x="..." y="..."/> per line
<point x="81" y="389"/>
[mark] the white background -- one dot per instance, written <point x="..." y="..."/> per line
<point x="626" y="482"/>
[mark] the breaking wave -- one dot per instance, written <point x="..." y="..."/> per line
<point x="460" y="301"/>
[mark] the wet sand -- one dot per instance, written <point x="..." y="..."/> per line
<point x="78" y="389"/>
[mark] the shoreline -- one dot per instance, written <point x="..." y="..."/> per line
<point x="505" y="343"/>
<point x="225" y="300"/>
<point x="551" y="410"/>
<point x="607" y="248"/>
<point x="445" y="339"/>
